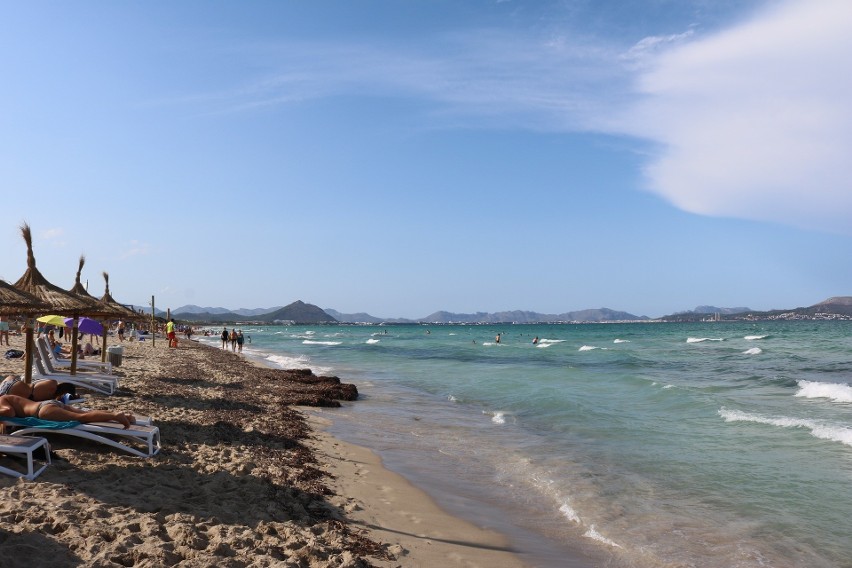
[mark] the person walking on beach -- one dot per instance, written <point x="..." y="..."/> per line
<point x="170" y="333"/>
<point x="233" y="340"/>
<point x="224" y="337"/>
<point x="240" y="340"/>
<point x="121" y="330"/>
<point x="4" y="331"/>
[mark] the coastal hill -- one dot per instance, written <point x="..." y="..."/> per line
<point x="297" y="312"/>
<point x="300" y="312"/>
<point x="838" y="307"/>
<point x="192" y="309"/>
<point x="518" y="316"/>
<point x="835" y="305"/>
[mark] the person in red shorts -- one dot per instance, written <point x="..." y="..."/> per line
<point x="170" y="333"/>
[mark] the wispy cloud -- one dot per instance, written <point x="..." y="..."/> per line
<point x="756" y="122"/>
<point x="135" y="248"/>
<point x="752" y="122"/>
<point x="531" y="81"/>
<point x="55" y="237"/>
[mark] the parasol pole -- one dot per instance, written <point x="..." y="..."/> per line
<point x="103" y="343"/>
<point x="153" y="323"/>
<point x="28" y="351"/>
<point x="74" y="346"/>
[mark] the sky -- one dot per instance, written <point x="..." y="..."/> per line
<point x="400" y="158"/>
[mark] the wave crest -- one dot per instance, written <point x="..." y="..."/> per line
<point x="837" y="392"/>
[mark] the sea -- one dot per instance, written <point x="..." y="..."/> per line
<point x="717" y="444"/>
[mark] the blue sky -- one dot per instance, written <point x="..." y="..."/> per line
<point x="400" y="158"/>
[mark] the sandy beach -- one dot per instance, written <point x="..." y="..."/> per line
<point x="246" y="477"/>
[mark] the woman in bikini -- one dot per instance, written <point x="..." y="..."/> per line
<point x="19" y="407"/>
<point x="45" y="389"/>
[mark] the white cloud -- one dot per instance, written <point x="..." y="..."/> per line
<point x="647" y="47"/>
<point x="136" y="248"/>
<point x="752" y="122"/>
<point x="55" y="236"/>
<point x="756" y="122"/>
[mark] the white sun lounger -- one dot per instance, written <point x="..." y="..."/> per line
<point x="24" y="447"/>
<point x="56" y="362"/>
<point x="138" y="440"/>
<point x="48" y="359"/>
<point x="103" y="384"/>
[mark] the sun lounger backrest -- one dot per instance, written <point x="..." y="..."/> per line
<point x="44" y="350"/>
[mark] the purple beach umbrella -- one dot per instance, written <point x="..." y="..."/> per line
<point x="86" y="325"/>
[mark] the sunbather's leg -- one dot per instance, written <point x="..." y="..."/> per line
<point x="55" y="410"/>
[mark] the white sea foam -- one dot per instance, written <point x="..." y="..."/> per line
<point x="702" y="339"/>
<point x="753" y="351"/>
<point x="831" y="432"/>
<point x="371" y="341"/>
<point x="621" y="341"/>
<point x="754" y="337"/>
<point x="543" y="345"/>
<point x="550" y="341"/>
<point x="311" y="342"/>
<point x="595" y="535"/>
<point x="499" y="418"/>
<point x="837" y="392"/>
<point x="587" y="348"/>
<point x="451" y="398"/>
<point x="299" y="362"/>
<point x="569" y="513"/>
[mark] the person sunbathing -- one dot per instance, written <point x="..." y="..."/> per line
<point x="45" y="389"/>
<point x="13" y="406"/>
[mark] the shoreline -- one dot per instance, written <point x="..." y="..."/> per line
<point x="236" y="484"/>
<point x="416" y="530"/>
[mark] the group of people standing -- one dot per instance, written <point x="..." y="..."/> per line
<point x="235" y="337"/>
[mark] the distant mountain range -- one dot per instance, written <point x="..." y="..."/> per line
<point x="297" y="312"/>
<point x="192" y="309"/>
<point x="302" y="313"/>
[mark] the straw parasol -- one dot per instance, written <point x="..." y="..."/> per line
<point x="14" y="302"/>
<point x="121" y="309"/>
<point x="100" y="309"/>
<point x="58" y="300"/>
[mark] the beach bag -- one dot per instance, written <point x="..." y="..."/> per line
<point x="14" y="354"/>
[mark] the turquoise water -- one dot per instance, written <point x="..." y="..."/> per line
<point x="715" y="444"/>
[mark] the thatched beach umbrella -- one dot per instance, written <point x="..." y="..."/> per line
<point x="57" y="299"/>
<point x="99" y="310"/>
<point x="15" y="302"/>
<point x="124" y="312"/>
<point x="121" y="310"/>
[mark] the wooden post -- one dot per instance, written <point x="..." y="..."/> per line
<point x="153" y="322"/>
<point x="74" y="346"/>
<point x="103" y="343"/>
<point x="28" y="356"/>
